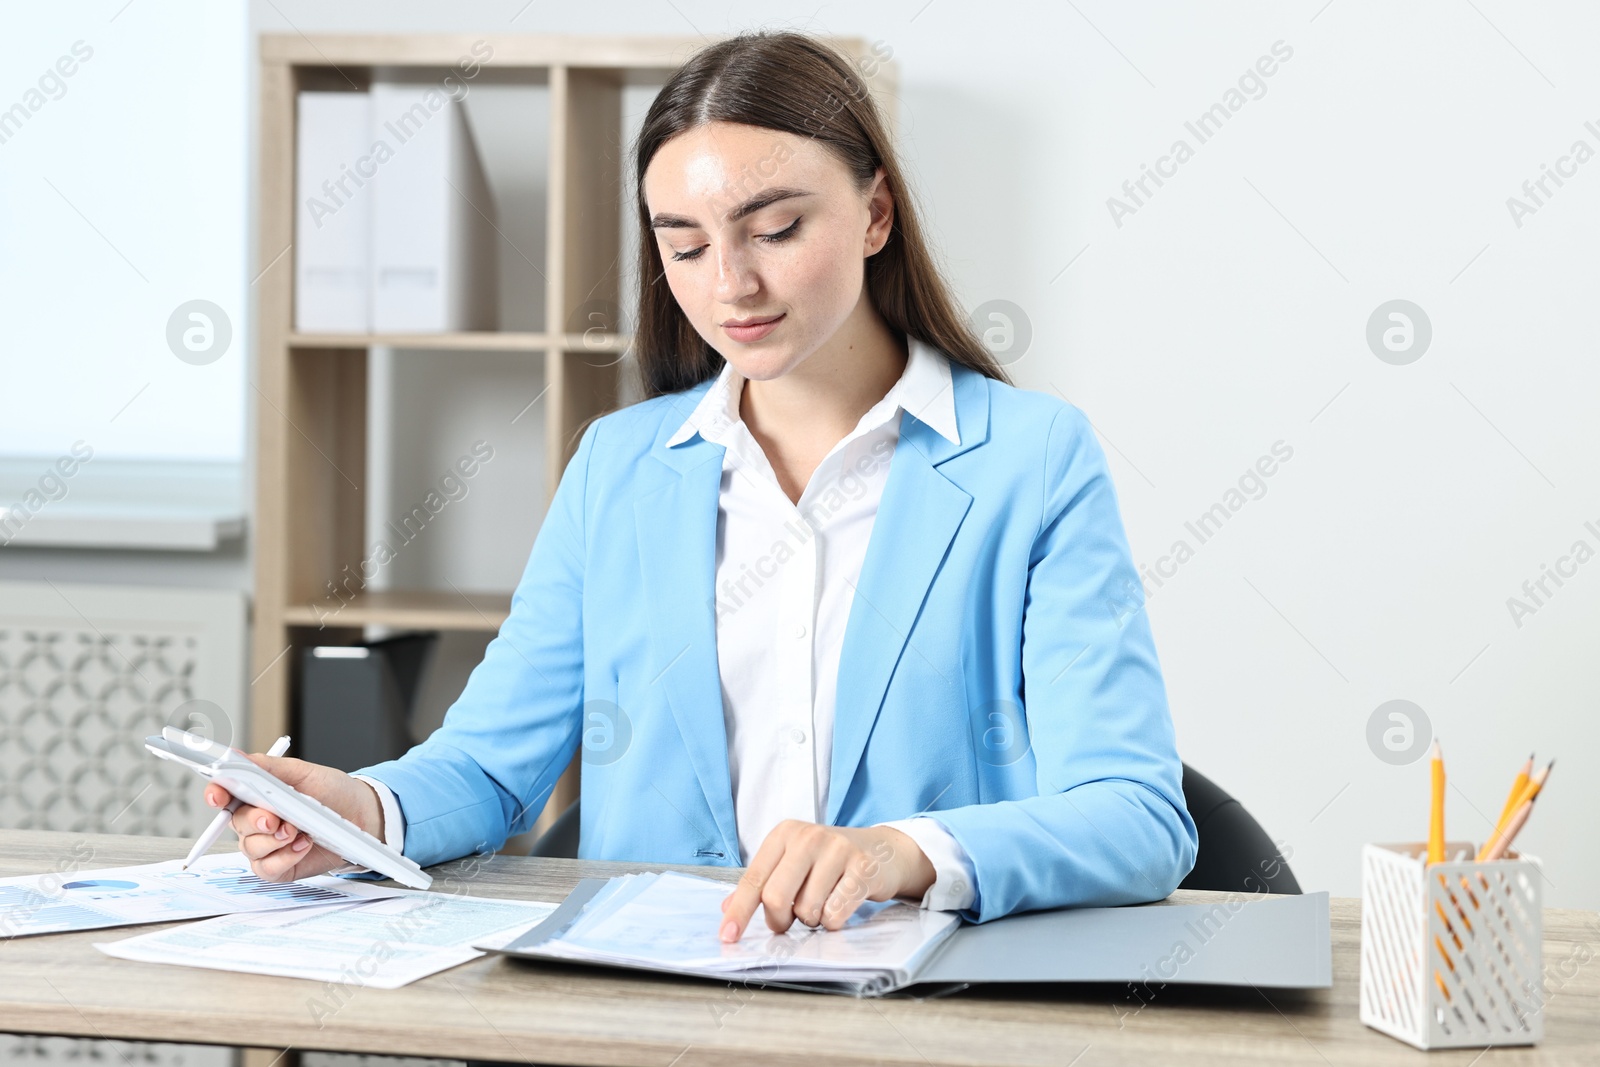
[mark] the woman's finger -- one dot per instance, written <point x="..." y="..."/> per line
<point x="249" y="819"/>
<point x="852" y="887"/>
<point x="259" y="846"/>
<point x="782" y="888"/>
<point x="278" y="866"/>
<point x="244" y="820"/>
<point x="748" y="893"/>
<point x="827" y="867"/>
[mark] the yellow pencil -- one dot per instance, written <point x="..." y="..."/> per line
<point x="1517" y="786"/>
<point x="1513" y="799"/>
<point x="1536" y="783"/>
<point x="1436" y="812"/>
<point x="1496" y="846"/>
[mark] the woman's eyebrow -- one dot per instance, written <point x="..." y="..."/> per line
<point x="664" y="221"/>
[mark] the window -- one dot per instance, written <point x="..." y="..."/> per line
<point x="124" y="225"/>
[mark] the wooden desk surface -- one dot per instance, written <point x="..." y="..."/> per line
<point x="498" y="1008"/>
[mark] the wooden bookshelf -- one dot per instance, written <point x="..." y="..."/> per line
<point x="310" y="391"/>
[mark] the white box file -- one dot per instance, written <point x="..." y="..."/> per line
<point x="333" y="213"/>
<point x="433" y="264"/>
<point x="1451" y="954"/>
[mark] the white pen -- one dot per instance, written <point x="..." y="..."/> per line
<point x="220" y="823"/>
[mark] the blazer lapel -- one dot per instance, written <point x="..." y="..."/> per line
<point x="676" y="527"/>
<point x="918" y="517"/>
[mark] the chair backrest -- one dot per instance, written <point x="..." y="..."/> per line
<point x="561" y="840"/>
<point x="1236" y="855"/>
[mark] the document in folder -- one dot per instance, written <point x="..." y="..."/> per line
<point x="668" y="922"/>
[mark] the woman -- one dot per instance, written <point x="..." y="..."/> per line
<point x="835" y="601"/>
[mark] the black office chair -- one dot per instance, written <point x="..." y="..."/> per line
<point x="1236" y="855"/>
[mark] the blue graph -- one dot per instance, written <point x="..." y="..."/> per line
<point x="27" y="911"/>
<point x="238" y="881"/>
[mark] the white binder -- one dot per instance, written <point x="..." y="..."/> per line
<point x="239" y="776"/>
<point x="333" y="211"/>
<point x="433" y="228"/>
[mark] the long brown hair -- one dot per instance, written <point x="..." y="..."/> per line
<point x="797" y="84"/>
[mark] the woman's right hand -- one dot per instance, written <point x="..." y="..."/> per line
<point x="281" y="852"/>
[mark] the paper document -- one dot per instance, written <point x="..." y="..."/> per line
<point x="669" y="921"/>
<point x="384" y="942"/>
<point x="217" y="884"/>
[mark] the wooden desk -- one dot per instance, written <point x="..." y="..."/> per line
<point x="497" y="1008"/>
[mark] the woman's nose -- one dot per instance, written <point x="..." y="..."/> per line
<point x="735" y="278"/>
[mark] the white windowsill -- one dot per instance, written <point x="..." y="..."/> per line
<point x="130" y="504"/>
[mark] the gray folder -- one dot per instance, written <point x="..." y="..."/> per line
<point x="1272" y="941"/>
<point x="1276" y="941"/>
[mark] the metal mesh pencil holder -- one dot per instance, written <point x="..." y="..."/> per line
<point x="1452" y="954"/>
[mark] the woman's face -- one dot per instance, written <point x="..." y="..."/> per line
<point x="755" y="224"/>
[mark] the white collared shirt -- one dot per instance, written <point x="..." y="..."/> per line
<point x="785" y="580"/>
<point x="786" y="574"/>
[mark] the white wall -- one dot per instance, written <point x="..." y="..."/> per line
<point x="1229" y="313"/>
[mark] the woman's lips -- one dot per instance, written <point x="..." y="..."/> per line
<point x="753" y="333"/>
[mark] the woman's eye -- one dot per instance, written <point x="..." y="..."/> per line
<point x="771" y="238"/>
<point x="783" y="234"/>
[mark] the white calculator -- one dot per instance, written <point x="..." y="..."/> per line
<point x="232" y="771"/>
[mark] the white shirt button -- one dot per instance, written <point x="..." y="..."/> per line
<point x="800" y="631"/>
<point x="958" y="887"/>
<point x="798" y="736"/>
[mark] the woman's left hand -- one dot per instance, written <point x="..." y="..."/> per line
<point x="821" y="874"/>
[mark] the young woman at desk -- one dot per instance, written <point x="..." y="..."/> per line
<point x="836" y="601"/>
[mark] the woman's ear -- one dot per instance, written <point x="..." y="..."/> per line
<point x="880" y="202"/>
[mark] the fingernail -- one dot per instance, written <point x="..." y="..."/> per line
<point x="262" y="823"/>
<point x="282" y="834"/>
<point x="730" y="931"/>
<point x="302" y="844"/>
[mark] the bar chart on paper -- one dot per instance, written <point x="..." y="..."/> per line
<point x="236" y="880"/>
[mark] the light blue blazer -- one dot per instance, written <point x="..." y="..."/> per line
<point x="998" y="670"/>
